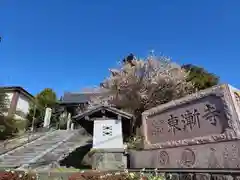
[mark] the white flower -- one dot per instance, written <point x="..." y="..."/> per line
<point x="143" y="169"/>
<point x="20" y="175"/>
<point x="108" y="174"/>
<point x="132" y="175"/>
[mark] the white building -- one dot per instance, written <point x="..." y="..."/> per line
<point x="19" y="101"/>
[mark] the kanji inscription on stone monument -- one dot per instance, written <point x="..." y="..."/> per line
<point x="191" y="120"/>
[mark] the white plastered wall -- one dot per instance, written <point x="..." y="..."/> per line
<point x="107" y="134"/>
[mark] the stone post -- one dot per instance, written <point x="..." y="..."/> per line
<point x="69" y="121"/>
<point x="72" y="126"/>
<point x="47" y="117"/>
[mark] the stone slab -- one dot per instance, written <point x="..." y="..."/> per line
<point x="109" y="161"/>
<point x="172" y="176"/>
<point x="222" y="177"/>
<point x="187" y="176"/>
<point x="212" y="155"/>
<point x="235" y="94"/>
<point x="110" y="150"/>
<point x="202" y="176"/>
<point x="208" y="116"/>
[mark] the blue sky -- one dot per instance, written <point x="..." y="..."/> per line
<point x="70" y="44"/>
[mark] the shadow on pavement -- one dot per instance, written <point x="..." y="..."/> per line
<point x="75" y="159"/>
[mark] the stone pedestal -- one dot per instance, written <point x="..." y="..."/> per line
<point x="109" y="159"/>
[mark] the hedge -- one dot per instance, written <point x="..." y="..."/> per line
<point x="94" y="175"/>
<point x="17" y="175"/>
<point x="88" y="175"/>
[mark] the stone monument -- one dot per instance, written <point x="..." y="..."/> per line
<point x="201" y="130"/>
<point x="108" y="150"/>
<point x="108" y="144"/>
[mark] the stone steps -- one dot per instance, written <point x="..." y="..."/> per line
<point x="34" y="150"/>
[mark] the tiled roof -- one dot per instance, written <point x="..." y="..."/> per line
<point x="81" y="97"/>
<point x="75" y="98"/>
<point x="17" y="88"/>
<point x="100" y="107"/>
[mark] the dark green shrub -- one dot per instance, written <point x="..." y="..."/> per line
<point x="10" y="127"/>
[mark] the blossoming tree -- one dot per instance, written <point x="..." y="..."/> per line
<point x="139" y="84"/>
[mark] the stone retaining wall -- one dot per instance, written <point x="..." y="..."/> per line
<point x="215" y="155"/>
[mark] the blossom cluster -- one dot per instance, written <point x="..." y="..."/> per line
<point x="85" y="175"/>
<point x="144" y="83"/>
<point x="18" y="175"/>
<point x="125" y="175"/>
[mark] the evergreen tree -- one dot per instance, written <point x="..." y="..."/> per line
<point x="200" y="77"/>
